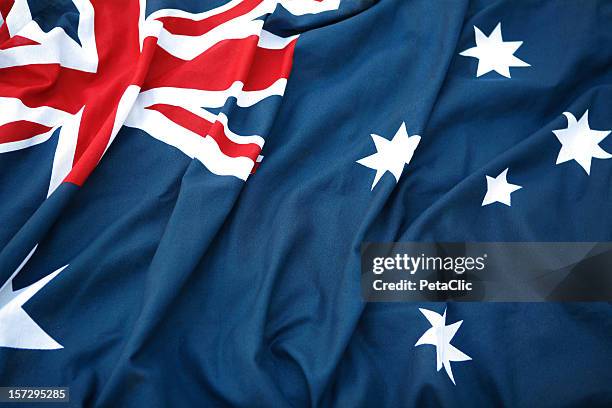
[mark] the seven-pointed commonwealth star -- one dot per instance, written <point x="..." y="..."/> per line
<point x="493" y="53"/>
<point x="18" y="330"/>
<point x="499" y="190"/>
<point x="579" y="142"/>
<point x="392" y="154"/>
<point x="440" y="335"/>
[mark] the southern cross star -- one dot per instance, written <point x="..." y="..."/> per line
<point x="391" y="155"/>
<point x="499" y="190"/>
<point x="440" y="336"/>
<point x="581" y="143"/>
<point x="493" y="53"/>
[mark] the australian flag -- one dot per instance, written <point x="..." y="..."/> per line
<point x="185" y="186"/>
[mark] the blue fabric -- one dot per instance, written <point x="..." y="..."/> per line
<point x="57" y="13"/>
<point x="189" y="289"/>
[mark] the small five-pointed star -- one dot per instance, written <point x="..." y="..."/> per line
<point x="499" y="190"/>
<point x="493" y="53"/>
<point x="440" y="335"/>
<point x="392" y="154"/>
<point x="581" y="143"/>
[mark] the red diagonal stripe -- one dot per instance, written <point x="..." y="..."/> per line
<point x="203" y="128"/>
<point x="5" y="7"/>
<point x="16" y="41"/>
<point x="20" y="130"/>
<point x="4" y="34"/>
<point x="184" y="26"/>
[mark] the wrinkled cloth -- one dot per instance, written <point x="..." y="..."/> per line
<point x="188" y="288"/>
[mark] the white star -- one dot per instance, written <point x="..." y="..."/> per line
<point x="499" y="190"/>
<point x="440" y="335"/>
<point x="493" y="53"/>
<point x="392" y="154"/>
<point x="579" y="142"/>
<point x="18" y="328"/>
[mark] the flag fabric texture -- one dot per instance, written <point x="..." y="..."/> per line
<point x="185" y="186"/>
